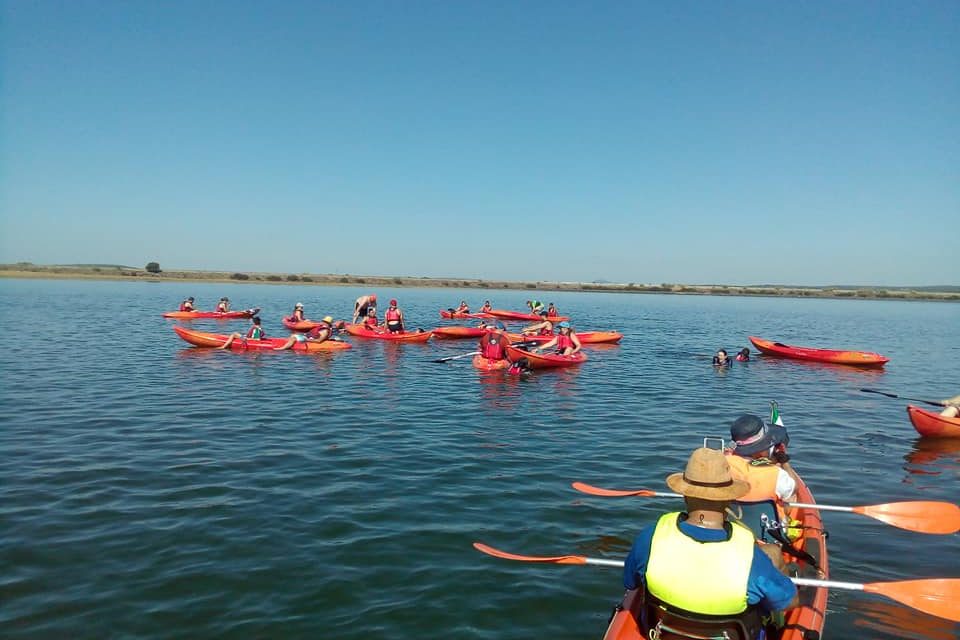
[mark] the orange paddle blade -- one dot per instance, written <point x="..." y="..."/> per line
<point x="938" y="597"/>
<point x="611" y="493"/>
<point x="496" y="553"/>
<point x="922" y="516"/>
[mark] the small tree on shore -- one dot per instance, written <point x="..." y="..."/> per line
<point x="153" y="267"/>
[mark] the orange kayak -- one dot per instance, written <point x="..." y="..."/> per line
<point x="303" y="325"/>
<point x="546" y="360"/>
<point x="932" y="424"/>
<point x="587" y="337"/>
<point x="215" y="315"/>
<point x="406" y="336"/>
<point x="454" y="314"/>
<point x="808" y="616"/>
<point x="456" y="333"/>
<point x="857" y="358"/>
<point x="517" y="315"/>
<point x="486" y="364"/>
<point x="212" y="340"/>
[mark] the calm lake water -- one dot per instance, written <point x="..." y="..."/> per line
<point x="154" y="490"/>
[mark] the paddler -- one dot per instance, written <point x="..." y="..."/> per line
<point x="758" y="456"/>
<point x="297" y="315"/>
<point x="700" y="565"/>
<point x="952" y="407"/>
<point x="224" y="305"/>
<point x="255" y="332"/>
<point x="370" y="321"/>
<point x="566" y="341"/>
<point x="362" y="305"/>
<point x="552" y="311"/>
<point x="393" y="318"/>
<point x="463" y="307"/>
<point x="486" y="308"/>
<point x="493" y="345"/>
<point x="544" y="327"/>
<point x="187" y="305"/>
<point x="535" y="306"/>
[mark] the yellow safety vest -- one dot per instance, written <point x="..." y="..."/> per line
<point x="700" y="577"/>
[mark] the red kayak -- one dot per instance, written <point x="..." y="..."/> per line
<point x="932" y="424"/>
<point x="406" y="336"/>
<point x="457" y="333"/>
<point x="857" y="358"/>
<point x="303" y="325"/>
<point x="216" y="315"/>
<point x="486" y="364"/>
<point x="516" y="315"/>
<point x="587" y="337"/>
<point x="454" y="314"/>
<point x="204" y="339"/>
<point x="546" y="360"/>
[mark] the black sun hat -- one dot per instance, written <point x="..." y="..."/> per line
<point x="751" y="435"/>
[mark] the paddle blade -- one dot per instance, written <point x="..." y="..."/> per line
<point x="496" y="553"/>
<point x="921" y="516"/>
<point x="611" y="493"/>
<point x="938" y="597"/>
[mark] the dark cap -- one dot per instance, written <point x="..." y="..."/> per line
<point x="751" y="435"/>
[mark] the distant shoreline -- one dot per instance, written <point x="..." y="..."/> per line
<point x="116" y="272"/>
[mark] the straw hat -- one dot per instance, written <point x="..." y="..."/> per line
<point x="707" y="476"/>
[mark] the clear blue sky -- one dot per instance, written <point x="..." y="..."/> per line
<point x="701" y="142"/>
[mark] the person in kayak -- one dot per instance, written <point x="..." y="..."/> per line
<point x="744" y="355"/>
<point x="393" y="318"/>
<point x="758" y="456"/>
<point x="699" y="565"/>
<point x="493" y="345"/>
<point x="297" y="315"/>
<point x="362" y="305"/>
<point x="952" y="407"/>
<point x="187" y="305"/>
<point x="255" y="332"/>
<point x="566" y="341"/>
<point x="224" y="305"/>
<point x="370" y="321"/>
<point x="542" y="328"/>
<point x="535" y="306"/>
<point x="552" y="311"/>
<point x="463" y="307"/>
<point x="486" y="308"/>
<point x="721" y="359"/>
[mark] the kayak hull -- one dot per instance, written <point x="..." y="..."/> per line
<point x="587" y="337"/>
<point x="546" y="360"/>
<point x="932" y="425"/>
<point x="406" y="336"/>
<point x="303" y="325"/>
<point x="855" y="358"/>
<point x="517" y="315"/>
<point x="458" y="333"/>
<point x="453" y="314"/>
<point x="486" y="364"/>
<point x="807" y="616"/>
<point x="214" y="340"/>
<point x="213" y="315"/>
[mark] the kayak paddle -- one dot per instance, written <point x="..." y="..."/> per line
<point x="893" y="395"/>
<point x="449" y="358"/>
<point x="922" y="516"/>
<point x="936" y="596"/>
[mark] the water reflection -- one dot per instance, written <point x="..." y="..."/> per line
<point x="839" y="372"/>
<point x="932" y="457"/>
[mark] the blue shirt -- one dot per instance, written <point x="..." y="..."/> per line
<point x="766" y="586"/>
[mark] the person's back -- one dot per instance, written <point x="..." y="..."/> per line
<point x="255" y="332"/>
<point x="493" y="346"/>
<point x="187" y="305"/>
<point x="699" y="566"/>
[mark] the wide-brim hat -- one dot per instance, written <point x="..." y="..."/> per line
<point x="751" y="435"/>
<point x="708" y="477"/>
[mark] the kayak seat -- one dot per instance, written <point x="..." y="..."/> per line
<point x="661" y="621"/>
<point x="752" y="515"/>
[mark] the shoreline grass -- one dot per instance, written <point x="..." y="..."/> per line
<point x="117" y="272"/>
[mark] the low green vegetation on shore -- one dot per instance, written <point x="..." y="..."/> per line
<point x="121" y="272"/>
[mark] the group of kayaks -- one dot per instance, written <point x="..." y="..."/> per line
<point x="524" y="342"/>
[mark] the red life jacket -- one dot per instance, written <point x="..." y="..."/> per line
<point x="256" y="333"/>
<point x="315" y="332"/>
<point x="392" y="315"/>
<point x="493" y="350"/>
<point x="564" y="342"/>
